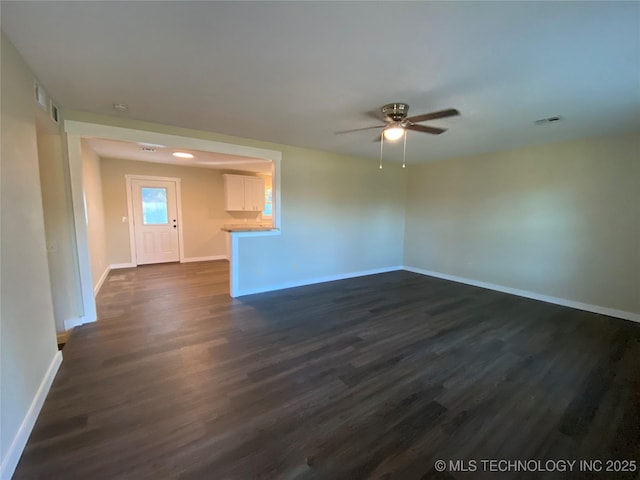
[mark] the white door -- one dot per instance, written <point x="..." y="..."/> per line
<point x="155" y="220"/>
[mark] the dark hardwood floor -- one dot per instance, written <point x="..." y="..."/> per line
<point x="372" y="377"/>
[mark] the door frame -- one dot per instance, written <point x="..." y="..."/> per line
<point x="132" y="234"/>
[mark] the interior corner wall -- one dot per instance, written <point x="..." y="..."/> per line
<point x="28" y="352"/>
<point x="561" y="220"/>
<point x="340" y="216"/>
<point x="96" y="236"/>
<point x="58" y="223"/>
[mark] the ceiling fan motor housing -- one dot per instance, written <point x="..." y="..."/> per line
<point x="395" y="112"/>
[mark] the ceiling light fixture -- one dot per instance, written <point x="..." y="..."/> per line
<point x="403" y="133"/>
<point x="183" y="155"/>
<point x="393" y="132"/>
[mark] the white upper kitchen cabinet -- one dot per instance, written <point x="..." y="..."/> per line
<point x="254" y="193"/>
<point x="234" y="192"/>
<point x="243" y="193"/>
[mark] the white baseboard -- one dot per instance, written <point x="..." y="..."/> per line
<point x="116" y="266"/>
<point x="11" y="459"/>
<point x="635" y="317"/>
<point x="203" y="259"/>
<point x="97" y="288"/>
<point x="300" y="283"/>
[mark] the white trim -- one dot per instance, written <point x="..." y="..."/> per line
<point x="70" y="323"/>
<point x="611" y="312"/>
<point x="132" y="234"/>
<point x="11" y="459"/>
<point x="117" y="266"/>
<point x="179" y="214"/>
<point x="204" y="259"/>
<point x="98" y="286"/>
<point x="133" y="176"/>
<point x="74" y="151"/>
<point x="276" y="195"/>
<point x="311" y="281"/>
<point x="86" y="129"/>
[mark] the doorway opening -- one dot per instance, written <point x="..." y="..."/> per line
<point x="136" y="204"/>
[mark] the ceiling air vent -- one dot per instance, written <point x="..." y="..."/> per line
<point x="544" y="121"/>
<point x="41" y="96"/>
<point x="120" y="107"/>
<point x="54" y="112"/>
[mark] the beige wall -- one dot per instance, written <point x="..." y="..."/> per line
<point x="92" y="183"/>
<point x="558" y="220"/>
<point x="340" y="215"/>
<point x="27" y="334"/>
<point x="202" y="207"/>
<point x="561" y="220"/>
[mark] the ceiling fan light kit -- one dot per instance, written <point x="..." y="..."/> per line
<point x="404" y="147"/>
<point x="397" y="124"/>
<point x="393" y="132"/>
<point x="395" y="112"/>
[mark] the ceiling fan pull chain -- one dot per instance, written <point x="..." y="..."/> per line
<point x="404" y="151"/>
<point x="381" y="145"/>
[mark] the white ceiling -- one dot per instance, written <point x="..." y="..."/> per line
<point x="164" y="154"/>
<point x="296" y="72"/>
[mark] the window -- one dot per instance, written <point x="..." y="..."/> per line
<point x="268" y="202"/>
<point x="154" y="206"/>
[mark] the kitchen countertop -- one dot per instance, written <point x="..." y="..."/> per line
<point x="245" y="227"/>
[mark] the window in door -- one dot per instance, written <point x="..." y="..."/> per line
<point x="154" y="206"/>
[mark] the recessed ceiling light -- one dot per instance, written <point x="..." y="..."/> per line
<point x="183" y="155"/>
<point x="121" y="107"/>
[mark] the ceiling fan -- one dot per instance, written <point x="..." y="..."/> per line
<point x="397" y="121"/>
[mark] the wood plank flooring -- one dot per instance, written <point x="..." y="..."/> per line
<point x="372" y="377"/>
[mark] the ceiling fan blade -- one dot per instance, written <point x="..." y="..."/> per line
<point x="357" y="129"/>
<point x="451" y="112"/>
<point x="425" y="129"/>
